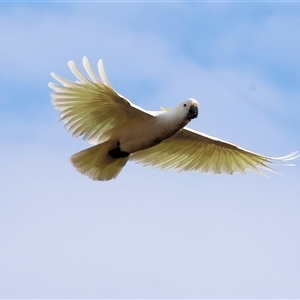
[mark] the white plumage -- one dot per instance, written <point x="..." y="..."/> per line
<point x="122" y="131"/>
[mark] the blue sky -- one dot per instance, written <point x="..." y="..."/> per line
<point x="151" y="233"/>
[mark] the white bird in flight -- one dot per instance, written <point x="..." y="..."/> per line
<point x="122" y="131"/>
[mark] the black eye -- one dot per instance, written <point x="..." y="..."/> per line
<point x="184" y="104"/>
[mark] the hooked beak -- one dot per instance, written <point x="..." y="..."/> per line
<point x="193" y="112"/>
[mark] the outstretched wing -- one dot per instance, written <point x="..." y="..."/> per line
<point x="189" y="150"/>
<point x="91" y="107"/>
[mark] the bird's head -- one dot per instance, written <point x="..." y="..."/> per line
<point x="182" y="114"/>
<point x="189" y="108"/>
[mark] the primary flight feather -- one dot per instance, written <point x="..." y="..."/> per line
<point x="122" y="131"/>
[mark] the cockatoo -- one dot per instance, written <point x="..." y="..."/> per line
<point x="122" y="131"/>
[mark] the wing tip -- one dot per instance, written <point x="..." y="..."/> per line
<point x="290" y="156"/>
<point x="71" y="63"/>
<point x="103" y="73"/>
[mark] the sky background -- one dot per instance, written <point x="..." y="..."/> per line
<point x="151" y="233"/>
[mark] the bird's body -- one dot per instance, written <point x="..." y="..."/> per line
<point x="146" y="133"/>
<point x="121" y="131"/>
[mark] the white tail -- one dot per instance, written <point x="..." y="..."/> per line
<point x="97" y="164"/>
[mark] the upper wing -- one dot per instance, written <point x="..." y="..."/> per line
<point x="190" y="150"/>
<point x="90" y="107"/>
